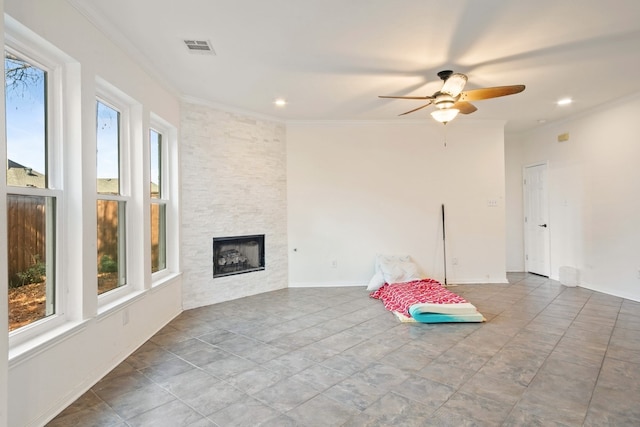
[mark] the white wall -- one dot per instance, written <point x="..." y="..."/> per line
<point x="44" y="379"/>
<point x="514" y="204"/>
<point x="357" y="189"/>
<point x="233" y="184"/>
<point x="594" y="202"/>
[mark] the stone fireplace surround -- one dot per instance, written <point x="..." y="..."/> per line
<point x="233" y="183"/>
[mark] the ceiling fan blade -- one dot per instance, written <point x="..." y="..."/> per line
<point x="416" y="109"/>
<point x="454" y="84"/>
<point x="465" y="107"/>
<point x="406" y="97"/>
<point x="490" y="92"/>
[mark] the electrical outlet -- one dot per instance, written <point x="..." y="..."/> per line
<point x="454" y="261"/>
<point x="334" y="263"/>
<point x="638" y="276"/>
<point x="125" y="316"/>
<point x="492" y="203"/>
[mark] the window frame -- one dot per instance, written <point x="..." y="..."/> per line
<point x="169" y="183"/>
<point x="72" y="180"/>
<point x="113" y="98"/>
<point x="54" y="64"/>
<point x="162" y="200"/>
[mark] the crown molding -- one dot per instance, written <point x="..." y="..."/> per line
<point x="107" y="28"/>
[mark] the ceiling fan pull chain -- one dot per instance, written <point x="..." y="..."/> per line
<point x="445" y="135"/>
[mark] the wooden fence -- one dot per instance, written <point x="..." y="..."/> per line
<point x="26" y="233"/>
<point x="107" y="211"/>
<point x="26" y="225"/>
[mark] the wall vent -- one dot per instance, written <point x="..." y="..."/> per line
<point x="199" y="46"/>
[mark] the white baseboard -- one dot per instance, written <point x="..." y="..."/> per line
<point x="351" y="284"/>
<point x="325" y="285"/>
<point x="608" y="291"/>
<point x="477" y="282"/>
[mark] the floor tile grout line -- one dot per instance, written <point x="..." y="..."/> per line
<point x="551" y="352"/>
<point x="514" y="406"/>
<point x="604" y="359"/>
<point x="215" y="377"/>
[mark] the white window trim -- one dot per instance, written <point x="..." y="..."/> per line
<point x="26" y="44"/>
<point x="114" y="98"/>
<point x="169" y="198"/>
<point x="164" y="192"/>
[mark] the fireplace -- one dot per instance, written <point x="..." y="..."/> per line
<point x="237" y="255"/>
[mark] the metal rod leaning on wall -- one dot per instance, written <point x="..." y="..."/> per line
<point x="444" y="247"/>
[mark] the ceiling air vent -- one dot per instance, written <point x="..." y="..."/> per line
<point x="199" y="46"/>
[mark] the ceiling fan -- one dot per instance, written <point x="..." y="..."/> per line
<point x="451" y="100"/>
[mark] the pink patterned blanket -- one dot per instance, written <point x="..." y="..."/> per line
<point x="400" y="296"/>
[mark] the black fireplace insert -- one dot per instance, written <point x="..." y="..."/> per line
<point x="237" y="255"/>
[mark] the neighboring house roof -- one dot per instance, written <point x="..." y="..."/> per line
<point x="108" y="186"/>
<point x="22" y="176"/>
<point x="13" y="164"/>
<point x="112" y="186"/>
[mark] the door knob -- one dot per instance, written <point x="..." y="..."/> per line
<point x="542" y="225"/>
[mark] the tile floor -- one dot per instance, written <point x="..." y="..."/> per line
<point x="548" y="355"/>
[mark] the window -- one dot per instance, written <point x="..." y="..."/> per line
<point x="158" y="202"/>
<point x="111" y="203"/>
<point x="31" y="199"/>
<point x="161" y="188"/>
<point x="49" y="241"/>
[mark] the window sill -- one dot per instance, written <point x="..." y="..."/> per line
<point x="164" y="280"/>
<point x="129" y="298"/>
<point x="31" y="348"/>
<point x="116" y="305"/>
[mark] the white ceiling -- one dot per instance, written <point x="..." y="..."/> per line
<point x="331" y="58"/>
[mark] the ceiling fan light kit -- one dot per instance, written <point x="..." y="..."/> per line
<point x="451" y="100"/>
<point x="445" y="115"/>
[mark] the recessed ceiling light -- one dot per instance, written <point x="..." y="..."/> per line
<point x="565" y="101"/>
<point x="541" y="121"/>
<point x="280" y="102"/>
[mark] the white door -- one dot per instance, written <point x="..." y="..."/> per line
<point x="536" y="221"/>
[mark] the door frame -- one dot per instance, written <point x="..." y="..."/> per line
<point x="525" y="212"/>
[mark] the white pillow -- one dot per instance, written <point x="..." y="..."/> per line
<point x="376" y="282"/>
<point x="399" y="271"/>
<point x="385" y="259"/>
